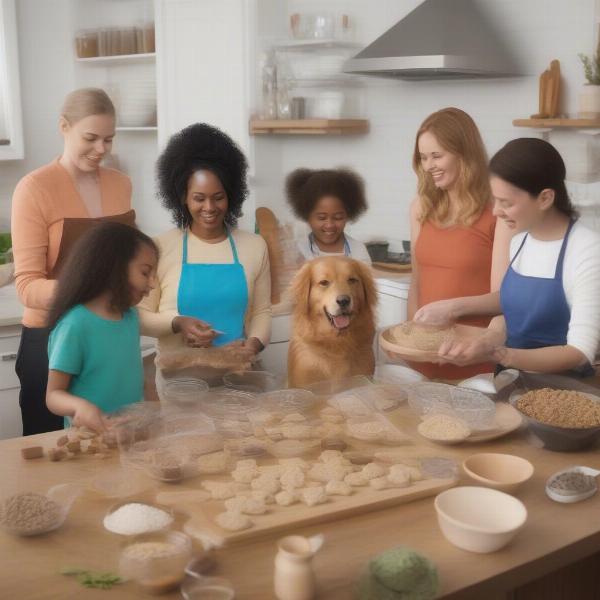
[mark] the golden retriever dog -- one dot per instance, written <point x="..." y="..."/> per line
<point x="333" y="322"/>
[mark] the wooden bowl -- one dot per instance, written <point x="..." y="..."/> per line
<point x="391" y="348"/>
<point x="503" y="472"/>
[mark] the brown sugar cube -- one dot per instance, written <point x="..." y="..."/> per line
<point x="32" y="452"/>
<point x="172" y="473"/>
<point x="56" y="454"/>
<point x="110" y="440"/>
<point x="141" y="434"/>
<point x="333" y="444"/>
<point x="74" y="446"/>
<point x="91" y="449"/>
<point x="86" y="434"/>
<point x="62" y="440"/>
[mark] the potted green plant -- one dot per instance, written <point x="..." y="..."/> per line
<point x="589" y="98"/>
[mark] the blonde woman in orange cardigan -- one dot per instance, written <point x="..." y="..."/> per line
<point x="458" y="250"/>
<point x="51" y="207"/>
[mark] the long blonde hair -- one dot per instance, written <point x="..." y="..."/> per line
<point x="86" y="102"/>
<point x="457" y="133"/>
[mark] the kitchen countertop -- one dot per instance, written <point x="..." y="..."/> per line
<point x="554" y="536"/>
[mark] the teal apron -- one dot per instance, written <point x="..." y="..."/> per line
<point x="214" y="293"/>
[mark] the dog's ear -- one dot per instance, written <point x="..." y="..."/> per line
<point x="368" y="283"/>
<point x="300" y="288"/>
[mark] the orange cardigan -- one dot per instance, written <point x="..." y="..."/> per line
<point x="41" y="200"/>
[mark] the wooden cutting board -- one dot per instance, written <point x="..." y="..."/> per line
<point x="267" y="226"/>
<point x="282" y="519"/>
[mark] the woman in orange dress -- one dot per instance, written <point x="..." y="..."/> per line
<point x="452" y="225"/>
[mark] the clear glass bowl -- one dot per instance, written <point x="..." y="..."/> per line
<point x="63" y="495"/>
<point x="207" y="588"/>
<point x="184" y="391"/>
<point x="156" y="562"/>
<point x="473" y="407"/>
<point x="325" y="389"/>
<point x="257" y="382"/>
<point x="120" y="484"/>
<point x="229" y="404"/>
<point x="288" y="401"/>
<point x="229" y="410"/>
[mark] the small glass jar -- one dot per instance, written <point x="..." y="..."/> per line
<point x="86" y="43"/>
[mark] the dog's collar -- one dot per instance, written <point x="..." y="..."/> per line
<point x="314" y="248"/>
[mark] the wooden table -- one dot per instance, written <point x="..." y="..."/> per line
<point x="555" y="535"/>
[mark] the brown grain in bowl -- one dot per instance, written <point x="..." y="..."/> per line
<point x="560" y="408"/>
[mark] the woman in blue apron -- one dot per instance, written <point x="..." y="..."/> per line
<point x="327" y="199"/>
<point x="214" y="279"/>
<point x="550" y="295"/>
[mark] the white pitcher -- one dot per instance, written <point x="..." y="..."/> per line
<point x="294" y="576"/>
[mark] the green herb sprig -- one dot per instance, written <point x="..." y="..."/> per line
<point x="92" y="579"/>
<point x="591" y="65"/>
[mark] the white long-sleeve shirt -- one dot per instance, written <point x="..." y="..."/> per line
<point x="581" y="279"/>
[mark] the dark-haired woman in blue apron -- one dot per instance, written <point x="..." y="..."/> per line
<point x="550" y="295"/>
<point x="214" y="279"/>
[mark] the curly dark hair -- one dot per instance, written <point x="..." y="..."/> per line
<point x="98" y="262"/>
<point x="201" y="147"/>
<point x="305" y="187"/>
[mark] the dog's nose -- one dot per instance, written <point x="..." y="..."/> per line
<point x="343" y="301"/>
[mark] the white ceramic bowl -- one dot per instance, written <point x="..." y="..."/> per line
<point x="479" y="519"/>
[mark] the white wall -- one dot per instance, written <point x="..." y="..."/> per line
<point x="538" y="30"/>
<point x="46" y="69"/>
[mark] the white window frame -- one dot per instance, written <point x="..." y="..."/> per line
<point x="10" y="86"/>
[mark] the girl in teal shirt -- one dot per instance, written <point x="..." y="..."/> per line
<point x="95" y="364"/>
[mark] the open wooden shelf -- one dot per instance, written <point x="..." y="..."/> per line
<point x="555" y="123"/>
<point x="309" y="126"/>
<point x="119" y="58"/>
<point x="317" y="44"/>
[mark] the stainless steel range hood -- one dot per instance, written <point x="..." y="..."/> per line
<point x="440" y="39"/>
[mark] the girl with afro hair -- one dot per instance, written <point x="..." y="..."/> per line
<point x="214" y="282"/>
<point x="327" y="199"/>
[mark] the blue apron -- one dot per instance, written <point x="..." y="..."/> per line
<point x="535" y="308"/>
<point x="314" y="248"/>
<point x="214" y="293"/>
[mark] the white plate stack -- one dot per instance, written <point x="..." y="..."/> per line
<point x="136" y="103"/>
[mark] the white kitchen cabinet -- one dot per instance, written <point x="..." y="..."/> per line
<point x="10" y="413"/>
<point x="392" y="306"/>
<point x="11" y="118"/>
<point x="203" y="66"/>
<point x="274" y="356"/>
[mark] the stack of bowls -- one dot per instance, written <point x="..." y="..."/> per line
<point x="137" y="103"/>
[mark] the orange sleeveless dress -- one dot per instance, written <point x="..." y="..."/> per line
<point x="453" y="262"/>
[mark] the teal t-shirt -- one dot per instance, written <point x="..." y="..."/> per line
<point x="103" y="356"/>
